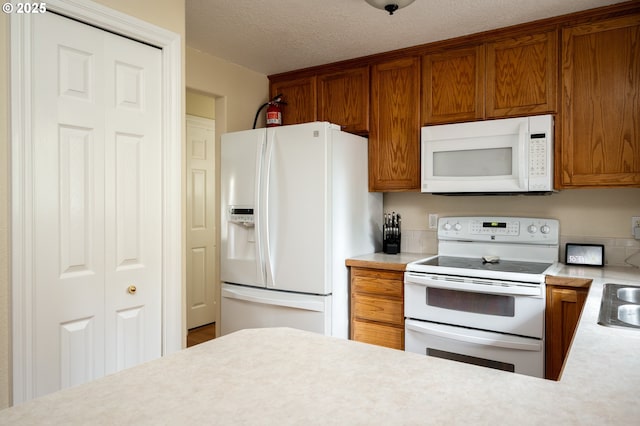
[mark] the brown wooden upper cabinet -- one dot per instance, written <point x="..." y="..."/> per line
<point x="340" y="97"/>
<point x="394" y="136"/>
<point x="300" y="97"/>
<point x="522" y="75"/>
<point x="508" y="77"/>
<point x="600" y="143"/>
<point x="453" y="85"/>
<point x="343" y="98"/>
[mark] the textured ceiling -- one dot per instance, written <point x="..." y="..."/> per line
<point x="273" y="36"/>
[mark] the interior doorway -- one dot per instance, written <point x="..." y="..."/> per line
<point x="201" y="215"/>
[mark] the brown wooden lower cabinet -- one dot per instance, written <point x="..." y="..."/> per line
<point x="565" y="300"/>
<point x="377" y="307"/>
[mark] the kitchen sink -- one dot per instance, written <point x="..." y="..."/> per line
<point x="620" y="306"/>
<point x="629" y="294"/>
<point x="629" y="314"/>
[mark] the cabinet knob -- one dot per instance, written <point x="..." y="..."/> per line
<point x="132" y="289"/>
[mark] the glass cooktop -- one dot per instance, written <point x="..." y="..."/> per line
<point x="479" y="264"/>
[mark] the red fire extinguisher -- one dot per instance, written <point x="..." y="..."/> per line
<point x="274" y="112"/>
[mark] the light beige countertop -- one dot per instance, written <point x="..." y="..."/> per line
<point x="284" y="376"/>
<point x="392" y="262"/>
<point x="603" y="366"/>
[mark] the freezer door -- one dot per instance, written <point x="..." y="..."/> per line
<point x="297" y="219"/>
<point x="246" y="307"/>
<point x="240" y="167"/>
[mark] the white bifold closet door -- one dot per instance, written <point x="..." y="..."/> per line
<point x="98" y="201"/>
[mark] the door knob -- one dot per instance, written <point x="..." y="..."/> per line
<point x="132" y="289"/>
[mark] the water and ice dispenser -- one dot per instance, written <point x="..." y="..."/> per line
<point x="241" y="237"/>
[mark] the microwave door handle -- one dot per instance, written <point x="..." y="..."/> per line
<point x="433" y="330"/>
<point x="523" y="157"/>
<point x="476" y="287"/>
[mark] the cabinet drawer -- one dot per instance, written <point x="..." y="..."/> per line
<point x="383" y="283"/>
<point x="378" y="334"/>
<point x="377" y="309"/>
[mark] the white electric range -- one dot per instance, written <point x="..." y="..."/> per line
<point x="481" y="300"/>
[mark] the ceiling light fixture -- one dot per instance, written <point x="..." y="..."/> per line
<point x="389" y="5"/>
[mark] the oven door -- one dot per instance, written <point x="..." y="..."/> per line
<point x="493" y="305"/>
<point x="494" y="350"/>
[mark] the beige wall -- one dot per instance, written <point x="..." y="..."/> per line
<point x="590" y="212"/>
<point x="5" y="330"/>
<point x="239" y="91"/>
<point x="200" y="105"/>
<point x="598" y="216"/>
<point x="168" y="14"/>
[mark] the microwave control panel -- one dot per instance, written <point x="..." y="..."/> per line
<point x="540" y="153"/>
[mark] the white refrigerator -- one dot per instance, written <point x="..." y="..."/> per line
<point x="295" y="204"/>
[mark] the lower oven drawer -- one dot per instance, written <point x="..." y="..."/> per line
<point x="494" y="350"/>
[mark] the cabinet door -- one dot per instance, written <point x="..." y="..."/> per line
<point x="378" y="334"/>
<point x="522" y="75"/>
<point x="564" y="305"/>
<point x="453" y="86"/>
<point x="394" y="138"/>
<point x="343" y="98"/>
<point x="377" y="307"/>
<point x="300" y="98"/>
<point x="601" y="104"/>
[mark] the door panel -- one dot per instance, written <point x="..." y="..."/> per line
<point x="97" y="195"/>
<point x="201" y="223"/>
<point x="127" y="194"/>
<point x="130" y="337"/>
<point x="298" y="212"/>
<point x="239" y="164"/>
<point x="76" y="194"/>
<point x="133" y="194"/>
<point x="69" y="206"/>
<point x="77" y="354"/>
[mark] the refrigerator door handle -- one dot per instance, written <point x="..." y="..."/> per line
<point x="265" y="241"/>
<point x="273" y="299"/>
<point x="259" y="225"/>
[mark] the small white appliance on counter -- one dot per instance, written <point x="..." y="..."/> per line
<point x="511" y="155"/>
<point x="481" y="300"/>
<point x="295" y="205"/>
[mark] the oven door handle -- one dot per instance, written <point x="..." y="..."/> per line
<point x="477" y="286"/>
<point x="439" y="331"/>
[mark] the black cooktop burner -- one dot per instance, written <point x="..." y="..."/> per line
<point x="478" y="263"/>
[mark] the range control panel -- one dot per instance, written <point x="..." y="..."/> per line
<point x="505" y="229"/>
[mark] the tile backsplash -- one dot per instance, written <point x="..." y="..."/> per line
<point x="616" y="250"/>
<point x="419" y="242"/>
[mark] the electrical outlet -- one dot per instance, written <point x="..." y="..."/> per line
<point x="635" y="223"/>
<point x="433" y="221"/>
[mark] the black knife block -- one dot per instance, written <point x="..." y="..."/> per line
<point x="391" y="244"/>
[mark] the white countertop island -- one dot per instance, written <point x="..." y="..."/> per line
<point x="284" y="376"/>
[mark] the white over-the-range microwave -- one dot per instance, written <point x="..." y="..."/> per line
<point x="512" y="155"/>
